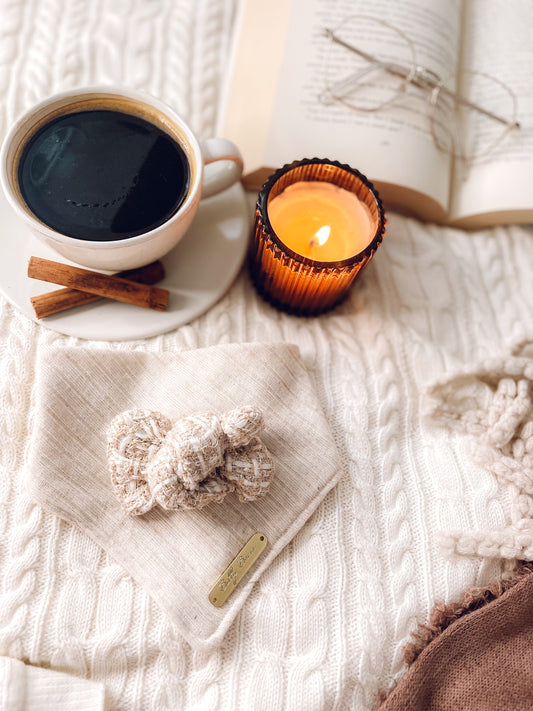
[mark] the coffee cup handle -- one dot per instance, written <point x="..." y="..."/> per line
<point x="228" y="168"/>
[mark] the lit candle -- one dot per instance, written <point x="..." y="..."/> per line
<point x="319" y="220"/>
<point x="317" y="225"/>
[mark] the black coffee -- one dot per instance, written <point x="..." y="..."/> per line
<point x="103" y="175"/>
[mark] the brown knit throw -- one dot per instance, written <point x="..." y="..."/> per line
<point x="481" y="661"/>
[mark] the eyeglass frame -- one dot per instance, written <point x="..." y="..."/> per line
<point x="418" y="76"/>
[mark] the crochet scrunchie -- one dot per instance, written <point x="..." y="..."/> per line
<point x="190" y="464"/>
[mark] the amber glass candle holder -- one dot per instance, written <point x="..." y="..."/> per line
<point x="300" y="284"/>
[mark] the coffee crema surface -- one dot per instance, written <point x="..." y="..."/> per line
<point x="103" y="175"/>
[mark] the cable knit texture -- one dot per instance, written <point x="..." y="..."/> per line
<point x="324" y="627"/>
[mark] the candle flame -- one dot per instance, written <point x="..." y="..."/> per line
<point x="321" y="236"/>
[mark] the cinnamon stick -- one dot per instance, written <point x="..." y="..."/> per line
<point x="111" y="287"/>
<point x="54" y="302"/>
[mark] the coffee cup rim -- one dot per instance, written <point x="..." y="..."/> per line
<point x="58" y="99"/>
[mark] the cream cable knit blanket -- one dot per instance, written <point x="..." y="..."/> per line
<point x="323" y="629"/>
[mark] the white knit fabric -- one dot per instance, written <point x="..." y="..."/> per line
<point x="324" y="627"/>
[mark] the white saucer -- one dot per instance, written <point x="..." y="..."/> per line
<point x="199" y="270"/>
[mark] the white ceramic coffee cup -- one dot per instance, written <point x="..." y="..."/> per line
<point x="142" y="249"/>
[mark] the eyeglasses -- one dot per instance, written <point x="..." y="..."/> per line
<point x="359" y="80"/>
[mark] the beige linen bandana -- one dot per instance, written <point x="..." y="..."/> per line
<point x="177" y="556"/>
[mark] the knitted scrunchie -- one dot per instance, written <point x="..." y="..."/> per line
<point x="194" y="462"/>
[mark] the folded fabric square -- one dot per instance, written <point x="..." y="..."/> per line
<point x="29" y="688"/>
<point x="178" y="555"/>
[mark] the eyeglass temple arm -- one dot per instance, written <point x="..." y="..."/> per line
<point x="419" y="77"/>
<point x="391" y="68"/>
<point x="439" y="88"/>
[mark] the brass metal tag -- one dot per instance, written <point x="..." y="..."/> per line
<point x="237" y="569"/>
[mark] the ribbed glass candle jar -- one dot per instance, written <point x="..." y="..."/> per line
<point x="296" y="283"/>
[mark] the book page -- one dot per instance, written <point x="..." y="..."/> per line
<point x="498" y="187"/>
<point x="393" y="146"/>
<point x="252" y="77"/>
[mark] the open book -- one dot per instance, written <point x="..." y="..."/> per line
<point x="272" y="109"/>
